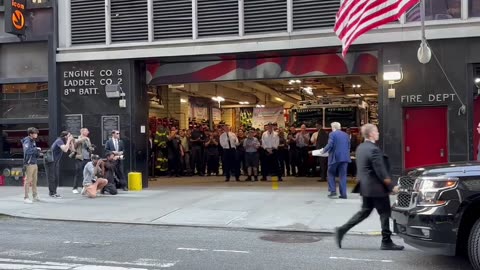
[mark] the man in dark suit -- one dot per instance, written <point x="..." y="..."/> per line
<point x="115" y="145"/>
<point x="375" y="186"/>
<point x="338" y="149"/>
<point x="353" y="140"/>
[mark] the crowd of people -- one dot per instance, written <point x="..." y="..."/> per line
<point x="93" y="174"/>
<point x="275" y="151"/>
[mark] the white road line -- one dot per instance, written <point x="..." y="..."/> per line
<point x="192" y="249"/>
<point x="140" y="262"/>
<point x="362" y="260"/>
<point x="231" y="251"/>
<point x="20" y="253"/>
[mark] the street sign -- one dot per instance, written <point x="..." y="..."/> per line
<point x="15" y="13"/>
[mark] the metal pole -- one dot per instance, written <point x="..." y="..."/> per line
<point x="422" y="16"/>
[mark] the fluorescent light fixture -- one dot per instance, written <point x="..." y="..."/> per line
<point x="182" y="100"/>
<point x="279" y="99"/>
<point x="218" y="99"/>
<point x="392" y="73"/>
<point x="260" y="106"/>
<point x="294" y="81"/>
<point x="243" y="102"/>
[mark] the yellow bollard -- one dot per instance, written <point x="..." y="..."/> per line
<point x="274" y="182"/>
<point x="135" y="181"/>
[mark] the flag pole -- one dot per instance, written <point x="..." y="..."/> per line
<point x="424" y="53"/>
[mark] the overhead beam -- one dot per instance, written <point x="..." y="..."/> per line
<point x="267" y="90"/>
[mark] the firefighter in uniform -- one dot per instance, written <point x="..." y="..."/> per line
<point x="160" y="142"/>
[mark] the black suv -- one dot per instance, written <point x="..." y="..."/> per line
<point x="438" y="209"/>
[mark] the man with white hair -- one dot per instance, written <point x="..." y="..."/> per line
<point x="338" y="149"/>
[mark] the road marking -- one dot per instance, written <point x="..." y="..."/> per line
<point x="139" y="262"/>
<point x="214" y="250"/>
<point x="362" y="260"/>
<point x="87" y="243"/>
<point x="232" y="251"/>
<point x="20" y="253"/>
<point x="192" y="249"/>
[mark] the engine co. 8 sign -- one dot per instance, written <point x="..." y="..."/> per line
<point x="15" y="17"/>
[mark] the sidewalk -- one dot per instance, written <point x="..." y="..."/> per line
<point x="297" y="205"/>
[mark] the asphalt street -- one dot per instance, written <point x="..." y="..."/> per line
<point x="36" y="244"/>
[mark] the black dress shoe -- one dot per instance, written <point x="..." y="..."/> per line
<point x="391" y="246"/>
<point x="332" y="195"/>
<point x="339" y="234"/>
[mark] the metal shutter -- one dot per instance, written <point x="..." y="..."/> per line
<point x="311" y="14"/>
<point x="217" y="17"/>
<point x="129" y="20"/>
<point x="172" y="19"/>
<point x="88" y="21"/>
<point x="265" y="16"/>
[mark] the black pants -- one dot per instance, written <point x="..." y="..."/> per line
<point x="79" y="165"/>
<point x="231" y="163"/>
<point x="53" y="175"/>
<point x="293" y="155"/>
<point x="174" y="164"/>
<point x="213" y="163"/>
<point x="284" y="160"/>
<point x="323" y="162"/>
<point x="197" y="160"/>
<point x="302" y="160"/>
<point x="382" y="204"/>
<point x="241" y="161"/>
<point x="271" y="165"/>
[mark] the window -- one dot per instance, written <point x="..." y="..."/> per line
<point x="437" y="10"/>
<point x="473" y="8"/>
<point x="29" y="100"/>
<point x="12" y="134"/>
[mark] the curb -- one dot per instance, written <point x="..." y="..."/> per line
<point x="329" y="232"/>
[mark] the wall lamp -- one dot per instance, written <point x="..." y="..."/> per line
<point x="115" y="91"/>
<point x="392" y="73"/>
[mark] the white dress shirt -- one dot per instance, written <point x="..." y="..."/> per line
<point x="270" y="140"/>
<point x="224" y="140"/>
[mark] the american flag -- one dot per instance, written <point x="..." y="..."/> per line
<point x="356" y="17"/>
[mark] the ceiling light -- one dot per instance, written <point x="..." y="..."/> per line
<point x="308" y="90"/>
<point x="243" y="102"/>
<point x="182" y="100"/>
<point x="218" y="99"/>
<point x="260" y="106"/>
<point x="477" y="82"/>
<point x="279" y="99"/>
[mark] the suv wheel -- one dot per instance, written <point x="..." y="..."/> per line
<point x="474" y="245"/>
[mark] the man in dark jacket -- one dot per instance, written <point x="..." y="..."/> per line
<point x="30" y="155"/>
<point x="115" y="146"/>
<point x="375" y="186"/>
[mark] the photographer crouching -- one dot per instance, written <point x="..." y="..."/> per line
<point x="91" y="182"/>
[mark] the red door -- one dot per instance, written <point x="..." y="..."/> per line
<point x="476" y="121"/>
<point x="425" y="136"/>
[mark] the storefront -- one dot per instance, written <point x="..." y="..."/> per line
<point x="131" y="74"/>
<point x="424" y="113"/>
<point x="25" y="64"/>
